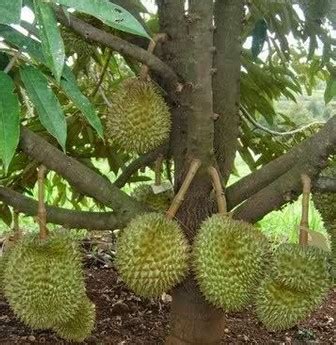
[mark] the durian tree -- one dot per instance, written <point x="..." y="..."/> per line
<point x="194" y="82"/>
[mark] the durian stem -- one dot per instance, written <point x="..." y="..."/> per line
<point x="158" y="169"/>
<point x="102" y="75"/>
<point x="152" y="44"/>
<point x="304" y="224"/>
<point x="41" y="212"/>
<point x="218" y="187"/>
<point x="16" y="227"/>
<point x="179" y="197"/>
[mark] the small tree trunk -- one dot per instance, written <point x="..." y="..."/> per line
<point x="193" y="321"/>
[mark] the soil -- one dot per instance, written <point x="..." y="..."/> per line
<point x="123" y="318"/>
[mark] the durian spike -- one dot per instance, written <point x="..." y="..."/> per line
<point x="219" y="191"/>
<point x="41" y="211"/>
<point x="304" y="224"/>
<point x="179" y="197"/>
<point x="158" y="169"/>
<point x="152" y="44"/>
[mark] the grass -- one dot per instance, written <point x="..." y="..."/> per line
<point x="280" y="226"/>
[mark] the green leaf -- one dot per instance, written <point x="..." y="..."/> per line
<point x="51" y="39"/>
<point x="10" y="11"/>
<point x="25" y="43"/>
<point x="9" y="120"/>
<point x="70" y="87"/>
<point x="46" y="103"/>
<point x="109" y="13"/>
<point x="330" y="91"/>
<point x="259" y="37"/>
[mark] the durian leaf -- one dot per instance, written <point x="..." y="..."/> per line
<point x="51" y="39"/>
<point x="109" y="13"/>
<point x="9" y="120"/>
<point x="330" y="91"/>
<point x="70" y="87"/>
<point x="10" y="11"/>
<point x="68" y="83"/>
<point x="25" y="43"/>
<point x="46" y="103"/>
<point x="259" y="36"/>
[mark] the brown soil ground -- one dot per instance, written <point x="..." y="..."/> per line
<point x="123" y="318"/>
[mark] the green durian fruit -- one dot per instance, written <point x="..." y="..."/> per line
<point x="152" y="254"/>
<point x="81" y="325"/>
<point x="301" y="268"/>
<point x="43" y="280"/>
<point x="279" y="307"/>
<point x="139" y="120"/>
<point x="325" y="204"/>
<point x="74" y="43"/>
<point x="158" y="202"/>
<point x="229" y="259"/>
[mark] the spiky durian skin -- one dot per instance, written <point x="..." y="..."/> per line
<point x="325" y="204"/>
<point x="279" y="307"/>
<point x="139" y="120"/>
<point x="228" y="260"/>
<point x="152" y="254"/>
<point x="81" y="325"/>
<point x="158" y="202"/>
<point x="301" y="268"/>
<point x="3" y="263"/>
<point x="43" y="280"/>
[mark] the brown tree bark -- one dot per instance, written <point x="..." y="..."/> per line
<point x="228" y="15"/>
<point x="189" y="51"/>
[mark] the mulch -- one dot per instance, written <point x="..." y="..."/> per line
<point x="124" y="318"/>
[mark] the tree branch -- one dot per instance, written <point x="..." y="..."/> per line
<point x="138" y="163"/>
<point x="325" y="185"/>
<point x="56" y="215"/>
<point x="89" y="32"/>
<point x="254" y="182"/>
<point x="311" y="156"/>
<point x="78" y="175"/>
<point x="246" y="114"/>
<point x="226" y="81"/>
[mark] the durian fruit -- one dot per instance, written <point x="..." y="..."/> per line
<point x="74" y="43"/>
<point x="280" y="307"/>
<point x="139" y="120"/>
<point x="301" y="268"/>
<point x="326" y="205"/>
<point x="8" y="244"/>
<point x="158" y="202"/>
<point x="152" y="254"/>
<point x="229" y="259"/>
<point x="81" y="325"/>
<point x="43" y="280"/>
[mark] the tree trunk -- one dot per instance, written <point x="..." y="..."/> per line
<point x="189" y="51"/>
<point x="193" y="321"/>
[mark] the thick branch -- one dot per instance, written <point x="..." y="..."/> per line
<point x="313" y="156"/>
<point x="252" y="183"/>
<point x="89" y="32"/>
<point x="78" y="175"/>
<point x="226" y="81"/>
<point x="325" y="185"/>
<point x="56" y="215"/>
